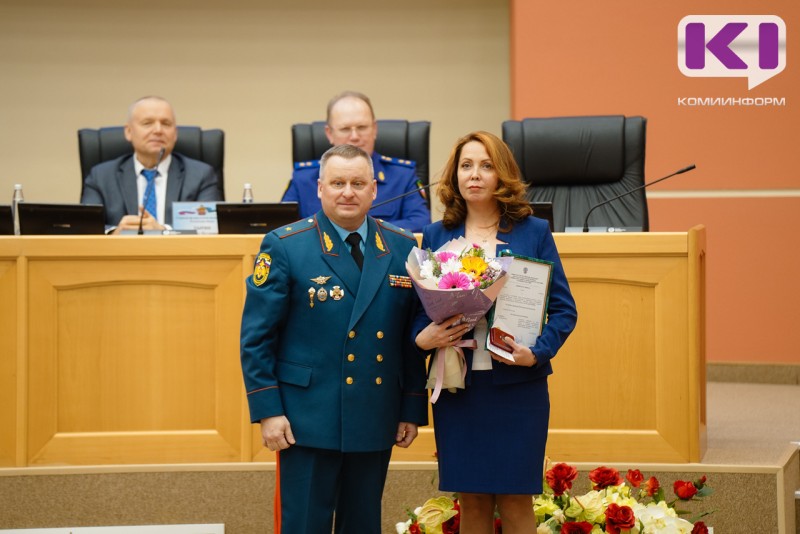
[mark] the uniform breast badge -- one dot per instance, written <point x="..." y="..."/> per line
<point x="320" y="280"/>
<point x="396" y="280"/>
<point x="311" y="292"/>
<point x="261" y="269"/>
<point x="337" y="293"/>
<point x="322" y="294"/>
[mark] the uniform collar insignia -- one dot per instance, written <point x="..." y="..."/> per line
<point x="328" y="242"/>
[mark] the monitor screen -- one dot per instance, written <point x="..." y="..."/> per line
<point x="259" y="218"/>
<point x="6" y="221"/>
<point x="544" y="210"/>
<point x="61" y="219"/>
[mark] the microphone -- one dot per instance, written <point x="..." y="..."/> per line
<point x="149" y="190"/>
<point x="586" y="220"/>
<point x="417" y="190"/>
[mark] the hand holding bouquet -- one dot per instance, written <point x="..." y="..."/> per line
<point x="456" y="279"/>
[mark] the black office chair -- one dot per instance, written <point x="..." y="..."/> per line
<point x="396" y="138"/>
<point x="577" y="162"/>
<point x="103" y="144"/>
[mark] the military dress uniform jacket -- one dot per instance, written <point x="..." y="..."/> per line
<point x="113" y="184"/>
<point x="393" y="176"/>
<point x="329" y="346"/>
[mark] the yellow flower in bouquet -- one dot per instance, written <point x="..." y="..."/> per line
<point x="474" y="266"/>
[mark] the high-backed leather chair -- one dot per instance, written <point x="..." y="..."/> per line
<point x="103" y="144"/>
<point x="577" y="162"/>
<point x="396" y="138"/>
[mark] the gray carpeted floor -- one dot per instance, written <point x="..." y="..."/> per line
<point x="751" y="424"/>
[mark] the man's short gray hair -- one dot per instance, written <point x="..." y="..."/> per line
<point x="346" y="152"/>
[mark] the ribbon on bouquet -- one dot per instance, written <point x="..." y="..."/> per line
<point x="439" y="365"/>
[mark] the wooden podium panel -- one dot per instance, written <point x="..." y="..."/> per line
<point x="10" y="434"/>
<point x="132" y="349"/>
<point x="629" y="384"/>
<point x="119" y="350"/>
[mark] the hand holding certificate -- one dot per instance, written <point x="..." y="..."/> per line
<point x="521" y="305"/>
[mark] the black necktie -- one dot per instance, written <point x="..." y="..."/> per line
<point x="354" y="240"/>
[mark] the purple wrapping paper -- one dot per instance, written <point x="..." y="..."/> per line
<point x="440" y="304"/>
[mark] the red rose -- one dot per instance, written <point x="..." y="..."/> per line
<point x="604" y="477"/>
<point x="560" y="478"/>
<point x="684" y="490"/>
<point x="452" y="525"/>
<point x="652" y="486"/>
<point x="635" y="477"/>
<point x="619" y="518"/>
<point x="414" y="529"/>
<point x="498" y="526"/>
<point x="699" y="528"/>
<point x="583" y="527"/>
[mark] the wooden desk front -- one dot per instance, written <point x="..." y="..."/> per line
<point x="120" y="350"/>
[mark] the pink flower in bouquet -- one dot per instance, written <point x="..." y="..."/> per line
<point x="445" y="256"/>
<point x="455" y="281"/>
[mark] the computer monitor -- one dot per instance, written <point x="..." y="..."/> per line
<point x="259" y="218"/>
<point x="61" y="219"/>
<point x="544" y="210"/>
<point x="6" y="221"/>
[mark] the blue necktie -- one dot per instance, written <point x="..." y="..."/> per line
<point x="151" y="202"/>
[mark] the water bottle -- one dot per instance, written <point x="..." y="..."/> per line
<point x="247" y="196"/>
<point x="16" y="199"/>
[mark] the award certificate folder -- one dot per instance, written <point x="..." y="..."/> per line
<point x="521" y="306"/>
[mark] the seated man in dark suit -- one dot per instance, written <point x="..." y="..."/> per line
<point x="351" y="121"/>
<point x="147" y="181"/>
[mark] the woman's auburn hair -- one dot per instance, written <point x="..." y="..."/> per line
<point x="510" y="193"/>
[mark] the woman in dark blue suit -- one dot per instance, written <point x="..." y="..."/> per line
<point x="491" y="436"/>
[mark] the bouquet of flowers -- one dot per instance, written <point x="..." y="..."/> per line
<point x="457" y="278"/>
<point x="613" y="506"/>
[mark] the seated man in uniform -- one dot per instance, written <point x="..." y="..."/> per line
<point x="351" y="120"/>
<point x="142" y="186"/>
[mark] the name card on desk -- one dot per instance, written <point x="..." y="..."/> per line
<point x="198" y="216"/>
